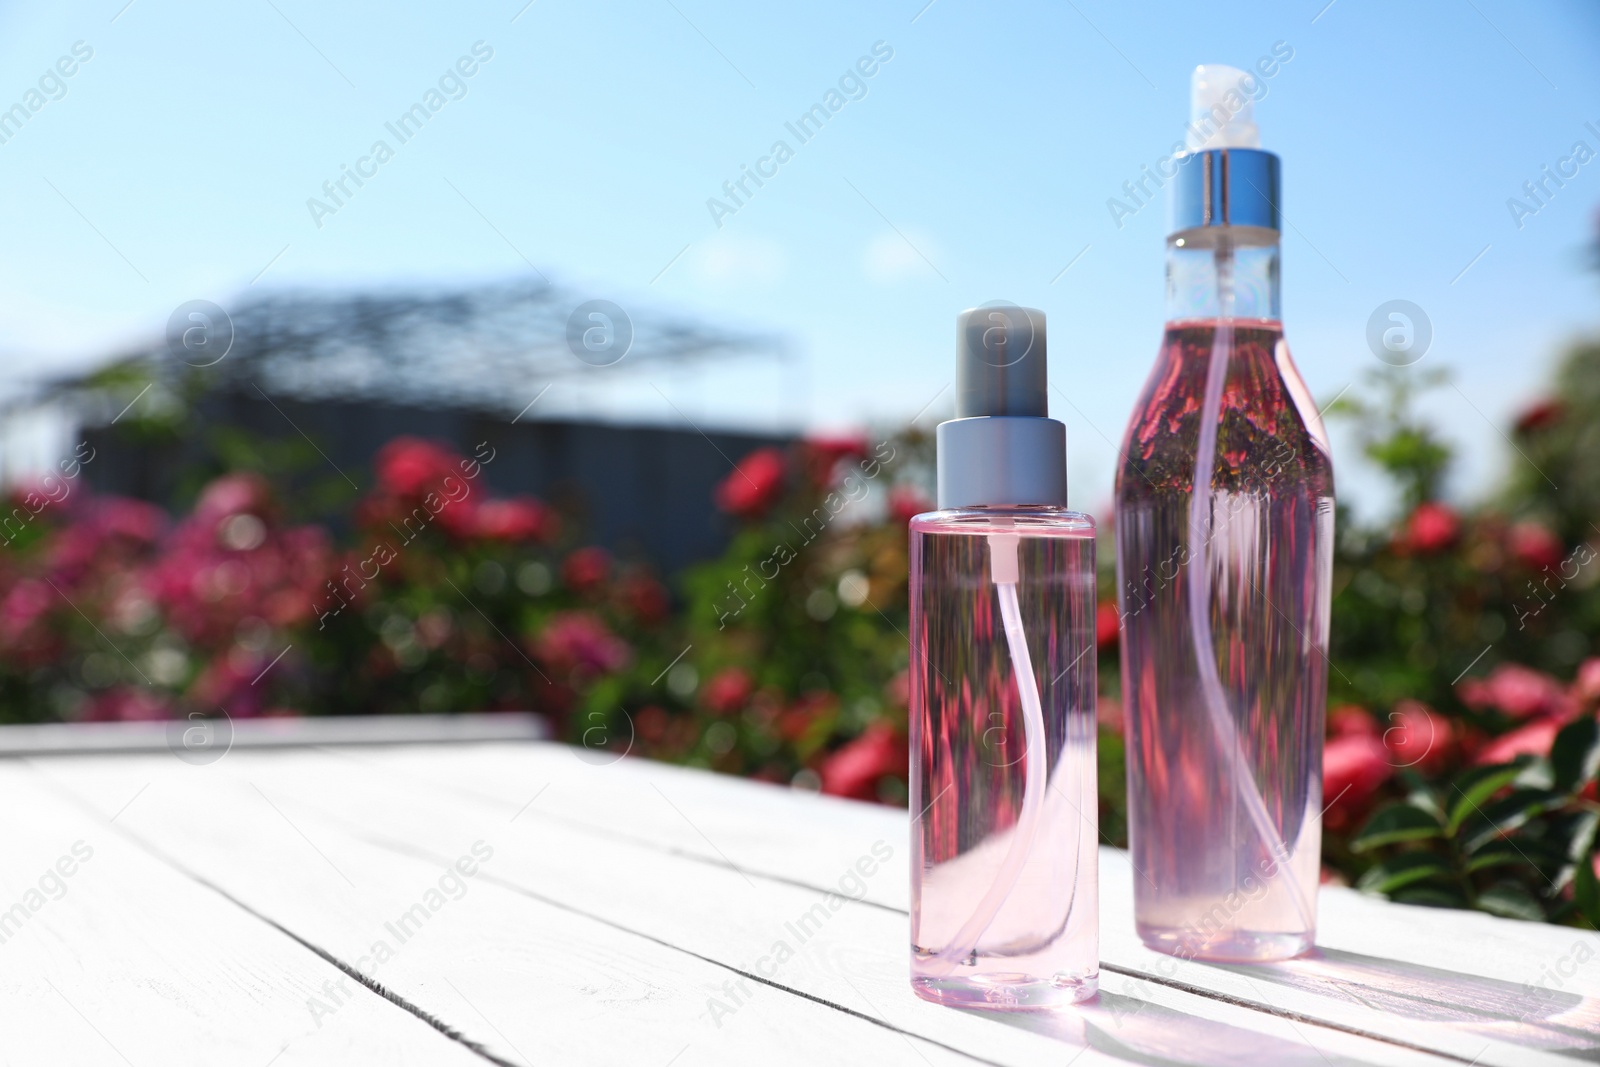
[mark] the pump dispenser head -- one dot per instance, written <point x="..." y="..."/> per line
<point x="1225" y="179"/>
<point x="1000" y="362"/>
<point x="1222" y="112"/>
<point x="1002" y="448"/>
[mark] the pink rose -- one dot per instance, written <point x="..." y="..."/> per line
<point x="578" y="641"/>
<point x="1523" y="693"/>
<point x="519" y="519"/>
<point x="1586" y="687"/>
<point x="1418" y="736"/>
<point x="1534" y="739"/>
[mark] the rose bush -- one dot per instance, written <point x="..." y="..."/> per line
<point x="446" y="597"/>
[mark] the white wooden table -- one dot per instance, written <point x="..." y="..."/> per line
<point x="306" y="905"/>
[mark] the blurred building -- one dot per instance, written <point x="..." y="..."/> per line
<point x="308" y="387"/>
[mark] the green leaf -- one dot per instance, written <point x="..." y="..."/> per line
<point x="1477" y="786"/>
<point x="1581" y="830"/>
<point x="1506" y="814"/>
<point x="1426" y="797"/>
<point x="1396" y="822"/>
<point x="1431" y="896"/>
<point x="1403" y="870"/>
<point x="1575" y="756"/>
<point x="1586" y="893"/>
<point x="1511" y="902"/>
<point x="1496" y="854"/>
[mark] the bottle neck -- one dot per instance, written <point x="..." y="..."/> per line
<point x="1223" y="272"/>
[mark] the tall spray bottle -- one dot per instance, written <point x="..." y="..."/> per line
<point x="1004" y="901"/>
<point x="1224" y="532"/>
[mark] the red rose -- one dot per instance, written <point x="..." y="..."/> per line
<point x="728" y="691"/>
<point x="755" y="484"/>
<point x="1353" y="767"/>
<point x="1534" y="546"/>
<point x="411" y="467"/>
<point x="823" y="454"/>
<point x="651" y="722"/>
<point x="905" y="503"/>
<point x="586" y="569"/>
<point x="1348" y="719"/>
<point x="1545" y="413"/>
<point x="1433" y="527"/>
<point x="1418" y="736"/>
<point x="854" y="770"/>
<point x="1533" y="739"/>
<point x="1107" y="625"/>
<point x="646" y="598"/>
<point x="801" y="717"/>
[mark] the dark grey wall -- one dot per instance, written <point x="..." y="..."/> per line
<point x="642" y="492"/>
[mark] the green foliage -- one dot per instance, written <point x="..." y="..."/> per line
<point x="792" y="644"/>
<point x="1557" y="480"/>
<point x="1393" y="436"/>
<point x="1512" y="845"/>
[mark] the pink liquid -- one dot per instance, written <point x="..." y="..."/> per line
<point x="1207" y="886"/>
<point x="969" y="760"/>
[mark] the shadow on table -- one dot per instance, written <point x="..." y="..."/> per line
<point x="1138" y="1031"/>
<point x="1536" y="1015"/>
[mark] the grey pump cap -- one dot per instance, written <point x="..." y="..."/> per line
<point x="1000" y="362"/>
<point x="1002" y="448"/>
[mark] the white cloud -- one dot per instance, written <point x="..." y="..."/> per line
<point x="726" y="261"/>
<point x="889" y="257"/>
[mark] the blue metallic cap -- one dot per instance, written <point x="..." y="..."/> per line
<point x="1226" y="187"/>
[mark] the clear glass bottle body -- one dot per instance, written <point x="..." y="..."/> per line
<point x="1224" y="813"/>
<point x="970" y="760"/>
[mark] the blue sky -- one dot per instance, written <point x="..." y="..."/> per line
<point x="178" y="162"/>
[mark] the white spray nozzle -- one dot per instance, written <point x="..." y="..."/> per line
<point x="1222" y="108"/>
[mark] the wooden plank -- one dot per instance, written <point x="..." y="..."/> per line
<point x="1459" y="982"/>
<point x="778" y="831"/>
<point x="533" y="981"/>
<point x="1403" y="973"/>
<point x="115" y="958"/>
<point x="856" y="959"/>
<point x="208" y="740"/>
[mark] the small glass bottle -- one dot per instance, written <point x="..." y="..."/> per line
<point x="1004" y="901"/>
<point x="1224" y="530"/>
